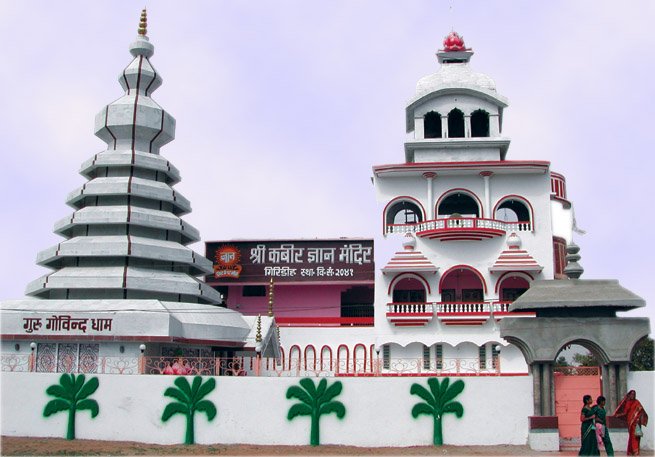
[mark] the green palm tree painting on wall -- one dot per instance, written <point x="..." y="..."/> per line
<point x="315" y="402"/>
<point x="190" y="398"/>
<point x="438" y="401"/>
<point x="71" y="394"/>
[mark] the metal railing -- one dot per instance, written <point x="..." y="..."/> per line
<point x="448" y="307"/>
<point x="455" y="223"/>
<point x="259" y="366"/>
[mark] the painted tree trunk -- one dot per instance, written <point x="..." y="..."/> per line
<point x="70" y="433"/>
<point x="189" y="438"/>
<point x="437" y="437"/>
<point x="314" y="437"/>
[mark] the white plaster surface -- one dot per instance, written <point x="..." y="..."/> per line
<point x="643" y="382"/>
<point x="544" y="441"/>
<point x="253" y="410"/>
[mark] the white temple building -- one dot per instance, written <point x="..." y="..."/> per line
<point x="124" y="283"/>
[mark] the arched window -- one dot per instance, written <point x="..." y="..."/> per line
<point x="514" y="209"/>
<point x="310" y="357"/>
<point x="458" y="203"/>
<point x="409" y="290"/>
<point x="479" y="123"/>
<point x="455" y="124"/>
<point x="404" y="212"/>
<point x="462" y="285"/>
<point x="512" y="287"/>
<point x="432" y="125"/>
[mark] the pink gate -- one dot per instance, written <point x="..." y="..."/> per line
<point x="571" y="384"/>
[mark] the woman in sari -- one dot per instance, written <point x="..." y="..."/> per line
<point x="588" y="443"/>
<point x="636" y="417"/>
<point x="602" y="432"/>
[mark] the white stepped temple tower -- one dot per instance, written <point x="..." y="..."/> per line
<point x="123" y="276"/>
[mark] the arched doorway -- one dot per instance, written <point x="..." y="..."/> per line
<point x="576" y="373"/>
<point x="461" y="284"/>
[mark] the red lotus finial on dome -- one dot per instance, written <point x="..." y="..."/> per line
<point x="454" y="43"/>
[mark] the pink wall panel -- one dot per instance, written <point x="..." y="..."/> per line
<point x="291" y="301"/>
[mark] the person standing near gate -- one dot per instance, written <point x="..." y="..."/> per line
<point x="601" y="425"/>
<point x="634" y="413"/>
<point x="588" y="443"/>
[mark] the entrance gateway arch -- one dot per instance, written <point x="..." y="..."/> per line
<point x="575" y="311"/>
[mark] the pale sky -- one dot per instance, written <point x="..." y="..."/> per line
<point x="283" y="107"/>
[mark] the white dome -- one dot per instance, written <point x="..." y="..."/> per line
<point x="454" y="75"/>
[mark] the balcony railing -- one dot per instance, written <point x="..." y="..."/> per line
<point x="410" y="308"/>
<point x="465" y="307"/>
<point x="438" y="228"/>
<point x="264" y="366"/>
<point x="451" y="313"/>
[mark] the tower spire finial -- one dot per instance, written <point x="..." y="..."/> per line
<point x="143" y="23"/>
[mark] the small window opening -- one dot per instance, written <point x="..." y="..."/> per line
<point x="455" y="124"/>
<point x="483" y="357"/>
<point x="426" y="357"/>
<point x="432" y="125"/>
<point x="480" y="123"/>
<point x="439" y="356"/>
<point x="386" y="357"/>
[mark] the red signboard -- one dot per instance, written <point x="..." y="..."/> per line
<point x="291" y="261"/>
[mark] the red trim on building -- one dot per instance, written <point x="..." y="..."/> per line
<point x="397" y="278"/>
<point x="463" y="267"/>
<point x="516" y="197"/>
<point x="435" y="166"/>
<point x="325" y="346"/>
<point x="396" y="200"/>
<point x="339" y="357"/>
<point x="323" y="321"/>
<point x="362" y="346"/>
<point x="291" y="355"/>
<point x="521" y="274"/>
<point x="463" y="191"/>
<point x="309" y="346"/>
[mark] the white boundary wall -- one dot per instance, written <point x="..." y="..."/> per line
<point x="643" y="382"/>
<point x="254" y="410"/>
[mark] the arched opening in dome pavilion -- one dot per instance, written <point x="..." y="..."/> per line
<point x="455" y="124"/>
<point x="480" y="123"/>
<point x="403" y="212"/>
<point x="432" y="125"/>
<point x="461" y="285"/>
<point x="458" y="204"/>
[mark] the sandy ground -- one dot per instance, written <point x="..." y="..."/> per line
<point x="59" y="446"/>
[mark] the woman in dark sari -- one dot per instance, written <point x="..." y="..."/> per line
<point x="588" y="443"/>
<point x="636" y="417"/>
<point x="601" y="426"/>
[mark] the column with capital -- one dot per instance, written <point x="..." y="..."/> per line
<point x="486" y="175"/>
<point x="429" y="176"/>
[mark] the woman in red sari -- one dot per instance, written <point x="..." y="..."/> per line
<point x="634" y="413"/>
